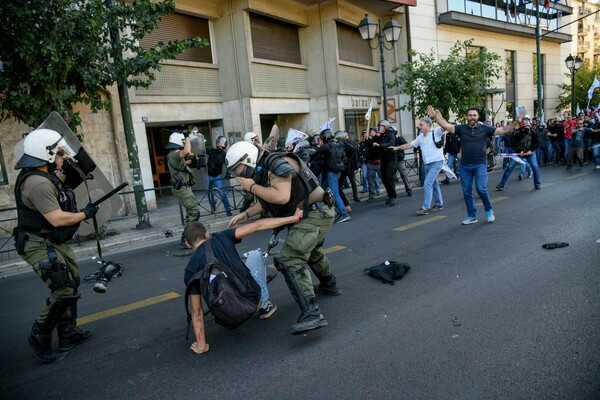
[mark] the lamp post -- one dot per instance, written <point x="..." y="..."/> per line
<point x="368" y="29"/>
<point x="573" y="65"/>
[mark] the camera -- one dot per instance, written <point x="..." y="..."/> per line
<point x="104" y="275"/>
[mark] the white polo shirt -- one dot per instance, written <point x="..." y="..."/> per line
<point x="429" y="151"/>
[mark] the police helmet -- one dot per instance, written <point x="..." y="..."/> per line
<point x="326" y="135"/>
<point x="221" y="142"/>
<point x="241" y="153"/>
<point x="384" y="123"/>
<point x="250" y="136"/>
<point x="340" y="135"/>
<point x="39" y="148"/>
<point x="175" y="141"/>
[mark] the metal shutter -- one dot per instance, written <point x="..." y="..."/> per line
<point x="274" y="40"/>
<point x="178" y="27"/>
<point x="352" y="47"/>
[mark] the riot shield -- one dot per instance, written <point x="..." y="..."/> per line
<point x="97" y="183"/>
<point x="198" y="143"/>
<point x="270" y="143"/>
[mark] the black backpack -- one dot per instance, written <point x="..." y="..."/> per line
<point x="232" y="298"/>
<point x="388" y="271"/>
<point x="337" y="162"/>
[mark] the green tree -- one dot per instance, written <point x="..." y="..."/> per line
<point x="584" y="78"/>
<point x="455" y="83"/>
<point x="55" y="54"/>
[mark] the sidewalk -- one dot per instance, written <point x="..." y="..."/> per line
<point x="166" y="227"/>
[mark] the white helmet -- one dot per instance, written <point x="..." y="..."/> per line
<point x="39" y="148"/>
<point x="241" y="153"/>
<point x="248" y="137"/>
<point x="175" y="141"/>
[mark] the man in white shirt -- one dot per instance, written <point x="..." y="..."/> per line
<point x="433" y="161"/>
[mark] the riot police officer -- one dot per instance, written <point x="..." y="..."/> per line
<point x="47" y="219"/>
<point x="282" y="183"/>
<point x="182" y="178"/>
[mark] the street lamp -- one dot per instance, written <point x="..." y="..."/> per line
<point x="368" y="29"/>
<point x="573" y="65"/>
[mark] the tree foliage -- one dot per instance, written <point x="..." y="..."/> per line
<point x="57" y="53"/>
<point x="584" y="78"/>
<point x="455" y="83"/>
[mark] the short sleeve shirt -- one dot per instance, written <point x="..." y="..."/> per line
<point x="474" y="142"/>
<point x="429" y="150"/>
<point x="40" y="194"/>
<point x="223" y="246"/>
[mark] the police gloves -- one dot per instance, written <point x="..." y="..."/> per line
<point x="186" y="134"/>
<point x="90" y="210"/>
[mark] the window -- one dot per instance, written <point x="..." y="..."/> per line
<point x="3" y="177"/>
<point x="178" y="27"/>
<point x="275" y="40"/>
<point x="352" y="47"/>
<point x="513" y="11"/>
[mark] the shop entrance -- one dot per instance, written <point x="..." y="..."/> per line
<point x="158" y="137"/>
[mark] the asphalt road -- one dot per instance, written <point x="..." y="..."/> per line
<point x="485" y="312"/>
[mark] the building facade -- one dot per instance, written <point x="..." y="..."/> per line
<point x="297" y="63"/>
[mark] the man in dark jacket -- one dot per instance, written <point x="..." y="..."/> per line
<point x="388" y="160"/>
<point x="524" y="141"/>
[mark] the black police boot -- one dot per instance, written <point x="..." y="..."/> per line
<point x="328" y="286"/>
<point x="41" y="344"/>
<point x="70" y="336"/>
<point x="310" y="319"/>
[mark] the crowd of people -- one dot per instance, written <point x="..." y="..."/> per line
<point x="301" y="189"/>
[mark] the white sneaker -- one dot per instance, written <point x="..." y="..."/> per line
<point x="469" y="221"/>
<point x="490" y="216"/>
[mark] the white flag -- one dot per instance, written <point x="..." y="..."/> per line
<point x="368" y="114"/>
<point x="595" y="84"/>
<point x="578" y="109"/>
<point x="449" y="172"/>
<point x="294" y="136"/>
<point x="326" y="125"/>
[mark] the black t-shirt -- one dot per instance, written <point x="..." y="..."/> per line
<point x="473" y="142"/>
<point x="223" y="246"/>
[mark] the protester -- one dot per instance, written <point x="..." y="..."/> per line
<point x="387" y="139"/>
<point x="216" y="160"/>
<point x="524" y="142"/>
<point x="223" y="246"/>
<point x="473" y="163"/>
<point x="433" y="160"/>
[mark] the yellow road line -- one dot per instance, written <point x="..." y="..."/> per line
<point x="418" y="223"/>
<point x="128" y="307"/>
<point x="576" y="176"/>
<point x="325" y="251"/>
<point x="493" y="200"/>
<point x="332" y="249"/>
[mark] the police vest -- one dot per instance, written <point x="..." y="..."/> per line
<point x="304" y="182"/>
<point x="33" y="221"/>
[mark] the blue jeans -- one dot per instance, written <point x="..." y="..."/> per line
<point x="256" y="264"/>
<point x="566" y="153"/>
<point x="477" y="172"/>
<point x="431" y="186"/>
<point x="332" y="183"/>
<point x="217" y="181"/>
<point x="451" y="159"/>
<point x="597" y="154"/>
<point x="373" y="175"/>
<point x="531" y="161"/>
